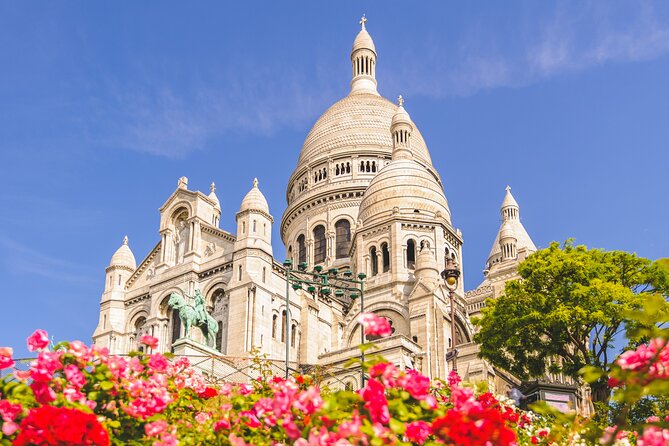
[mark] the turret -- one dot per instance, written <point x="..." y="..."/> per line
<point x="254" y="222"/>
<point x="401" y="129"/>
<point x="363" y="60"/>
<point x="507" y="242"/>
<point x="112" y="305"/>
<point x="217" y="204"/>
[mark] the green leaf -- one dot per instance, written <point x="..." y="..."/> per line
<point x="106" y="385"/>
<point x="397" y="426"/>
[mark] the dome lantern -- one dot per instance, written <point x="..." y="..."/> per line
<point x="363" y="60"/>
<point x="401" y="129"/>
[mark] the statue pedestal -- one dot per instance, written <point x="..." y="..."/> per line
<point x="205" y="359"/>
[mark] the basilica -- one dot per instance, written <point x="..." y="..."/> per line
<point x="364" y="197"/>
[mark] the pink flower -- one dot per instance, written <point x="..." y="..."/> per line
<point x="43" y="393"/>
<point x="38" y="340"/>
<point x="375" y="401"/>
<point x="6" y="360"/>
<point x="149" y="341"/>
<point x="155" y="428"/>
<point x="453" y="379"/>
<point x="654" y="436"/>
<point x="417" y="432"/>
<point x="9" y="427"/>
<point x="375" y="325"/>
<point x="415" y="383"/>
<point x="158" y="363"/>
<point x="74" y="376"/>
<point x="221" y="424"/>
<point x="236" y="441"/>
<point x="9" y="411"/>
<point x="202" y="417"/>
<point x="387" y="372"/>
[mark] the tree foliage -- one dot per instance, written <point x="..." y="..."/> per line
<point x="569" y="306"/>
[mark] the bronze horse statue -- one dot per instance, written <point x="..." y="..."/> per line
<point x="195" y="315"/>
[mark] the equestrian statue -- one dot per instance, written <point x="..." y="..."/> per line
<point x="195" y="315"/>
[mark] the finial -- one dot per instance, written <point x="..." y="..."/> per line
<point x="363" y="20"/>
<point x="212" y="188"/>
<point x="255" y="183"/>
<point x="125" y="240"/>
<point x="400" y="101"/>
<point x="508" y="188"/>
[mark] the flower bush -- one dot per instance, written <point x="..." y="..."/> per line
<point x="74" y="394"/>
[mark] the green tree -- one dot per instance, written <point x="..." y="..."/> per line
<point x="566" y="311"/>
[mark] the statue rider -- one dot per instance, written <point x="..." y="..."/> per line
<point x="199" y="308"/>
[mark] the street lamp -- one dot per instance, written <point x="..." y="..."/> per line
<point x="324" y="283"/>
<point x="451" y="275"/>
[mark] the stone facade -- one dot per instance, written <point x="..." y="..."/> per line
<point x="364" y="196"/>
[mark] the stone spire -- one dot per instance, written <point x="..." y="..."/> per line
<point x="212" y="195"/>
<point x="363" y="60"/>
<point x="512" y="239"/>
<point x="401" y="129"/>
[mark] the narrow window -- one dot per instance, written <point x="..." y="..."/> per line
<point x="337" y="170"/>
<point x="219" y="337"/>
<point x="283" y="326"/>
<point x="104" y="321"/>
<point x="239" y="272"/>
<point x="264" y="274"/>
<point x="274" y="324"/>
<point x="386" y="257"/>
<point x="343" y="238"/>
<point x="320" y="244"/>
<point x="293" y="330"/>
<point x="373" y="260"/>
<point x="119" y="279"/>
<point x="348" y="167"/>
<point x="411" y="254"/>
<point x="243" y="227"/>
<point x="301" y="249"/>
<point x="255" y="225"/>
<point x="290" y="253"/>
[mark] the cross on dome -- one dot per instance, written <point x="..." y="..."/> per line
<point x="255" y="182"/>
<point x="125" y="240"/>
<point x="400" y="101"/>
<point x="212" y="188"/>
<point x="508" y="188"/>
<point x="363" y="20"/>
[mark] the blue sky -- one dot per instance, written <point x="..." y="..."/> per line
<point x="102" y="108"/>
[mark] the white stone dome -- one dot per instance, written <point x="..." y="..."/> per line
<point x="356" y="124"/>
<point x="363" y="41"/>
<point x="254" y="200"/>
<point x="407" y="188"/>
<point x="124" y="256"/>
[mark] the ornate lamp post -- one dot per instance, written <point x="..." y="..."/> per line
<point x="323" y="283"/>
<point x="451" y="275"/>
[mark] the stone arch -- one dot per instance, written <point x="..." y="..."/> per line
<point x="395" y="310"/>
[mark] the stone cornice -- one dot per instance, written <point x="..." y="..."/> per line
<point x="216" y="269"/>
<point x="255" y="211"/>
<point x="225" y="235"/>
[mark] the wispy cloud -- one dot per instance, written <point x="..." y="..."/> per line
<point x="574" y="37"/>
<point x="168" y="122"/>
<point x="259" y="98"/>
<point x="21" y="259"/>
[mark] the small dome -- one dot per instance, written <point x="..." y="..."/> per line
<point x="363" y="40"/>
<point x="401" y="116"/>
<point x="124" y="256"/>
<point x="508" y="199"/>
<point x="213" y="197"/>
<point x="426" y="265"/>
<point x="506" y="231"/>
<point x="254" y="200"/>
<point x="406" y="188"/>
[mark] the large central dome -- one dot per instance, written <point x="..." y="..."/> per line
<point x="359" y="121"/>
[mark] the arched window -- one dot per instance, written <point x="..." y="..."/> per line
<point x="290" y="253"/>
<point x="239" y="272"/>
<point x="219" y="336"/>
<point x="374" y="267"/>
<point x="301" y="249"/>
<point x="176" y="326"/>
<point x="411" y="254"/>
<point x="274" y="325"/>
<point x="337" y="170"/>
<point x="320" y="244"/>
<point x="255" y="226"/>
<point x="243" y="227"/>
<point x="362" y="166"/>
<point x="343" y="233"/>
<point x="385" y="252"/>
<point x="283" y="326"/>
<point x="348" y="167"/>
<point x="293" y="336"/>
